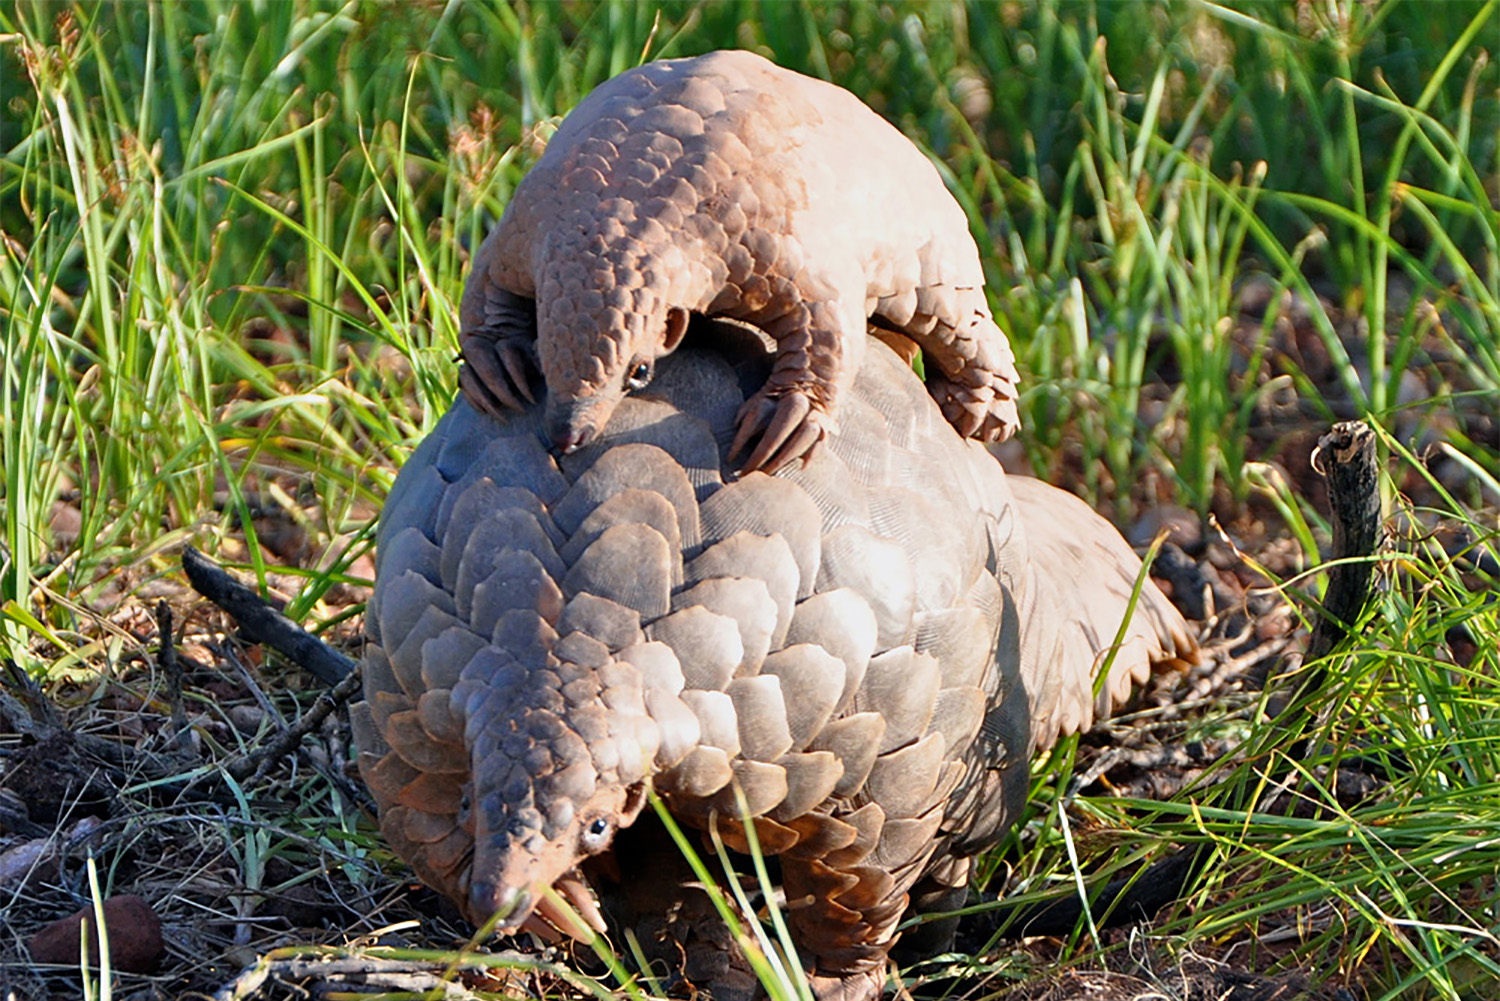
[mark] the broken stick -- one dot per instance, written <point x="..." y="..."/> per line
<point x="263" y="624"/>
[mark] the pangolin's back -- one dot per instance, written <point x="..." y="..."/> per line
<point x="730" y="153"/>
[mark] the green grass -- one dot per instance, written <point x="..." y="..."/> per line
<point x="234" y="235"/>
<point x="1397" y="890"/>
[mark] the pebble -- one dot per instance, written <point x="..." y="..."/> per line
<point x="134" y="931"/>
<point x="246" y="718"/>
<point x="37" y="858"/>
<point x="1183" y="527"/>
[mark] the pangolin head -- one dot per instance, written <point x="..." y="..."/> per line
<point x="596" y="345"/>
<point x="560" y="757"/>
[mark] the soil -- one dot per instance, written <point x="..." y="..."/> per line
<point x="255" y="877"/>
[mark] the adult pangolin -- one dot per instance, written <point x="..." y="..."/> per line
<point x="867" y="648"/>
<point x="727" y="186"/>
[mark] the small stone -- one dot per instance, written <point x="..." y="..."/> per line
<point x="133" y="929"/>
<point x="37" y="858"/>
<point x="66" y="523"/>
<point x="246" y="718"/>
<point x="1181" y="525"/>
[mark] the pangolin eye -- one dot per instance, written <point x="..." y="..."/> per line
<point x="596" y="835"/>
<point x="640" y="375"/>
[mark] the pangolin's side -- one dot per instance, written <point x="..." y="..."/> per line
<point x="868" y="647"/>
<point x="727" y="186"/>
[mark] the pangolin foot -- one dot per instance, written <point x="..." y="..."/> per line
<point x="497" y="373"/>
<point x="979" y="412"/>
<point x="789" y="425"/>
<point x="863" y="985"/>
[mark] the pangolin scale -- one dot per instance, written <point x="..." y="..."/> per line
<point x="727" y="186"/>
<point x="867" y="647"/>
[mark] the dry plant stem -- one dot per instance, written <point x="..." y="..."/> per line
<point x="263" y="624"/>
<point x="1345" y="457"/>
<point x="256" y="763"/>
<point x="242" y="671"/>
<point x="366" y="971"/>
<point x="172" y="668"/>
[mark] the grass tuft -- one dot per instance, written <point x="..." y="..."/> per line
<point x="233" y="237"/>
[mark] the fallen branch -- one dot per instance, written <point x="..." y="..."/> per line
<point x="1345" y="457"/>
<point x="357" y="974"/>
<point x="261" y="623"/>
<point x="351" y="971"/>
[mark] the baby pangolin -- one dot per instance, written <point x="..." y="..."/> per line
<point x="727" y="186"/>
<point x="861" y="652"/>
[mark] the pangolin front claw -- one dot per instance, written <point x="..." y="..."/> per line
<point x="789" y="425"/>
<point x="497" y="373"/>
<point x="558" y="918"/>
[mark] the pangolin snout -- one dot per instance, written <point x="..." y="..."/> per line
<point x="568" y="439"/>
<point x="486" y="898"/>
<point x="573" y="423"/>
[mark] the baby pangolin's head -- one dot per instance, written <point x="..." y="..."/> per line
<point x="595" y="360"/>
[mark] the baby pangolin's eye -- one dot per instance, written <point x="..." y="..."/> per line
<point x="639" y="376"/>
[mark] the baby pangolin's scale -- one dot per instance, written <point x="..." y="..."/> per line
<point x="728" y="186"/>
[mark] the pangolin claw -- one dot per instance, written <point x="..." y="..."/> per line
<point x="866" y="985"/>
<point x="569" y="911"/>
<point x="788" y="424"/>
<point x="496" y="374"/>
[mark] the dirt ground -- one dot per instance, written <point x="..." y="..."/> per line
<point x="255" y="871"/>
<point x="249" y="863"/>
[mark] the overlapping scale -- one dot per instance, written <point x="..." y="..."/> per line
<point x="862" y="652"/>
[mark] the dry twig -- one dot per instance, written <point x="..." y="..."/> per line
<point x="263" y="624"/>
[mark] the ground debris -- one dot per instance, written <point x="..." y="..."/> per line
<point x="356" y="972"/>
<point x="1194" y="979"/>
